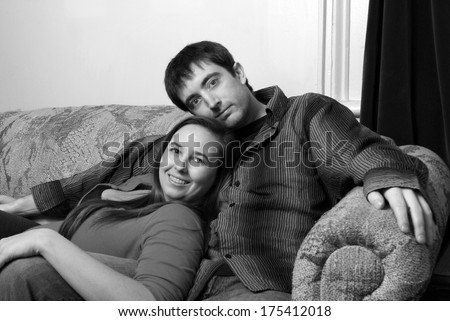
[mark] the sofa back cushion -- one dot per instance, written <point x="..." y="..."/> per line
<point x="51" y="143"/>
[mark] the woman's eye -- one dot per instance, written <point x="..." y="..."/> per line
<point x="198" y="161"/>
<point x="174" y="150"/>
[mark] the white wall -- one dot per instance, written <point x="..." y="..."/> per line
<point x="58" y="53"/>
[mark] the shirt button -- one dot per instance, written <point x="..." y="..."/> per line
<point x="232" y="204"/>
<point x="228" y="256"/>
<point x="237" y="183"/>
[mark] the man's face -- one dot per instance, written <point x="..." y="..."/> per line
<point x="215" y="93"/>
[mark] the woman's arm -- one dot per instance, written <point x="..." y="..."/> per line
<point x="90" y="278"/>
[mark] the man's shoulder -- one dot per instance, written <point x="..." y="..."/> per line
<point x="312" y="97"/>
<point x="308" y="102"/>
<point x="282" y="106"/>
<point x="305" y="107"/>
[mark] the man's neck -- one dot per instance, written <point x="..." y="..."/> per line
<point x="248" y="131"/>
<point x="259" y="108"/>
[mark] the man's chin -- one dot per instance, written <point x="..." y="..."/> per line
<point x="230" y="122"/>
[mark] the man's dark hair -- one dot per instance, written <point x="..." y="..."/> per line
<point x="179" y="68"/>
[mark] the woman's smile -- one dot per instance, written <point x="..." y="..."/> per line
<point x="176" y="180"/>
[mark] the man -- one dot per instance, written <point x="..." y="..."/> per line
<point x="297" y="157"/>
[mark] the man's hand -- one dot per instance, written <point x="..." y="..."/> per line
<point x="121" y="196"/>
<point x="20" y="206"/>
<point x="4" y="199"/>
<point x="409" y="207"/>
<point x="6" y="203"/>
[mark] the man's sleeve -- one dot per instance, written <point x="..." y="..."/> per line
<point x="350" y="154"/>
<point x="57" y="198"/>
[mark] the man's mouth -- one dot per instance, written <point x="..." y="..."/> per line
<point x="222" y="112"/>
<point x="177" y="181"/>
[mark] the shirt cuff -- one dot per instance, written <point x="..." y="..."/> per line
<point x="380" y="178"/>
<point x="50" y="199"/>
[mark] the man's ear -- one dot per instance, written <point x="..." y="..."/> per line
<point x="240" y="73"/>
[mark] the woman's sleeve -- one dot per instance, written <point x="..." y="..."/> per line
<point x="172" y="249"/>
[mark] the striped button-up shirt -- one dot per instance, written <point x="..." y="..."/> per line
<point x="307" y="155"/>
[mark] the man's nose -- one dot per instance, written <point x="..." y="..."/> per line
<point x="212" y="101"/>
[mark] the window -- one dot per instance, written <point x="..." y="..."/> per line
<point x="342" y="28"/>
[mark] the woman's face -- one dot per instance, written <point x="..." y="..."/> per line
<point x="189" y="164"/>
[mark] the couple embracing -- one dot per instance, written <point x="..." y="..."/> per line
<point x="192" y="227"/>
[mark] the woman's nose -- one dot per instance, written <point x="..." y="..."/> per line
<point x="180" y="164"/>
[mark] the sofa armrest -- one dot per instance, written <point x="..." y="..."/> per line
<point x="356" y="252"/>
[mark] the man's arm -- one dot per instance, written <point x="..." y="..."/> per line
<point x="57" y="198"/>
<point x="350" y="154"/>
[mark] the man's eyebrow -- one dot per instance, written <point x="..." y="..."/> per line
<point x="209" y="76"/>
<point x="203" y="83"/>
<point x="186" y="102"/>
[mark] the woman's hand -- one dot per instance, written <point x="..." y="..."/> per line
<point x="90" y="278"/>
<point x="25" y="244"/>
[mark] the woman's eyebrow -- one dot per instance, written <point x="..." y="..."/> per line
<point x="183" y="144"/>
<point x="197" y="153"/>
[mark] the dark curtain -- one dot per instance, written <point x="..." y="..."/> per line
<point x="406" y="73"/>
<point x="406" y="88"/>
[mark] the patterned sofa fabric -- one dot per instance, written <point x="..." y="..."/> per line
<point x="356" y="252"/>
<point x="51" y="143"/>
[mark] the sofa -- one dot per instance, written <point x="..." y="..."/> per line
<point x="354" y="252"/>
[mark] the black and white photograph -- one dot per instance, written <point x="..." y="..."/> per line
<point x="236" y="159"/>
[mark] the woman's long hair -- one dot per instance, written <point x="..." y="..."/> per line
<point x="113" y="211"/>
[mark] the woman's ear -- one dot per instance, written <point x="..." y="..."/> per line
<point x="240" y="73"/>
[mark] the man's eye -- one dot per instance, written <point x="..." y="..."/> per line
<point x="213" y="82"/>
<point x="194" y="102"/>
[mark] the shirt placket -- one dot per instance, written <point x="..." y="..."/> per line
<point x="264" y="134"/>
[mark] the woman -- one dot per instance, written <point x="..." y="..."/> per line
<point x="163" y="232"/>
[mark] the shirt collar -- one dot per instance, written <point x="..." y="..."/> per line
<point x="275" y="100"/>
